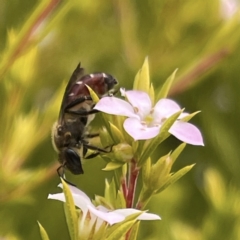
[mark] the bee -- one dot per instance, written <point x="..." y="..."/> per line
<point x="69" y="134"/>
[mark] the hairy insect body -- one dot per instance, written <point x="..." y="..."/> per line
<point x="70" y="138"/>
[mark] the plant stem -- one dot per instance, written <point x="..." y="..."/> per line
<point x="124" y="186"/>
<point x="133" y="175"/>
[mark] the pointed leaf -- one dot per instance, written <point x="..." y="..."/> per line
<point x="134" y="231"/>
<point x="112" y="166"/>
<point x="177" y="152"/>
<point x="99" y="200"/>
<point x="43" y="232"/>
<point x="146" y="171"/>
<point x="100" y="233"/>
<point x="116" y="133"/>
<point x="70" y="212"/>
<point x="190" y="116"/>
<point x="152" y="94"/>
<point x="121" y="230"/>
<point x="166" y="86"/>
<point x="110" y="192"/>
<point x="118" y="230"/>
<point x="93" y="95"/>
<point x="159" y="172"/>
<point x="175" y="177"/>
<point x="142" y="79"/>
<point x="120" y="202"/>
<point x="160" y="138"/>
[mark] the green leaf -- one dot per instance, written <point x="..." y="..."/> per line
<point x="172" y="179"/>
<point x="70" y="212"/>
<point x="112" y="166"/>
<point x="166" y="86"/>
<point x="116" y="133"/>
<point x="121" y="230"/>
<point x="159" y="172"/>
<point x="100" y="233"/>
<point x="105" y="137"/>
<point x="120" y="202"/>
<point x="93" y="229"/>
<point x="134" y="231"/>
<point x="93" y="95"/>
<point x="177" y="152"/>
<point x="159" y="138"/>
<point x="146" y="171"/>
<point x="142" y="79"/>
<point x="43" y="232"/>
<point x="190" y="116"/>
<point x="99" y="200"/>
<point x="110" y="192"/>
<point x="116" y="231"/>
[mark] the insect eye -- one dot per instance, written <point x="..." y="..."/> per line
<point x="73" y="162"/>
<point x="110" y="81"/>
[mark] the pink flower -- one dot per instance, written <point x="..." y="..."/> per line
<point x="144" y="121"/>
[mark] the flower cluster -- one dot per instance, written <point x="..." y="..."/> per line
<point x="117" y="214"/>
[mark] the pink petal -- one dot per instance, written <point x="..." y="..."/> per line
<point x="140" y="101"/>
<point x="115" y="106"/>
<point x="187" y="132"/>
<point x="165" y="108"/>
<point x="138" y="131"/>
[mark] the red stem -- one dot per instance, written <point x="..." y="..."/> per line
<point x="124" y="187"/>
<point x="133" y="175"/>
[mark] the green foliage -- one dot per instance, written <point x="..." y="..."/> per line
<point x="70" y="212"/>
<point x="43" y="232"/>
<point x="38" y="55"/>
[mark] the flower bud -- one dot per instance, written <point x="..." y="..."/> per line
<point x="122" y="152"/>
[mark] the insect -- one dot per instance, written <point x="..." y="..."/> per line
<point x="69" y="135"/>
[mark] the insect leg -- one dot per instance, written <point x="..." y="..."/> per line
<point x="60" y="171"/>
<point x="97" y="149"/>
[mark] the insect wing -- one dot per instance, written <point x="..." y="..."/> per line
<point x="76" y="76"/>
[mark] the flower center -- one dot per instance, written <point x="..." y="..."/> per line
<point x="148" y="119"/>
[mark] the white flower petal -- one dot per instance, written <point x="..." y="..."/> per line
<point x="76" y="191"/>
<point x="144" y="216"/>
<point x="165" y="108"/>
<point x="140" y="101"/>
<point x="138" y="131"/>
<point x="187" y="132"/>
<point x="81" y="200"/>
<point x="57" y="196"/>
<point x="115" y="106"/>
<point x="109" y="217"/>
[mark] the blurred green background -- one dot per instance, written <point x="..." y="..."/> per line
<point x="41" y="43"/>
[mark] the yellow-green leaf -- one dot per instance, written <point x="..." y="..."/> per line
<point x="43" y="232"/>
<point x="142" y="79"/>
<point x="70" y="212"/>
<point x="112" y="166"/>
<point x="190" y="116"/>
<point x="175" y="177"/>
<point x="116" y="133"/>
<point x="166" y="86"/>
<point x="93" y="95"/>
<point x="177" y="152"/>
